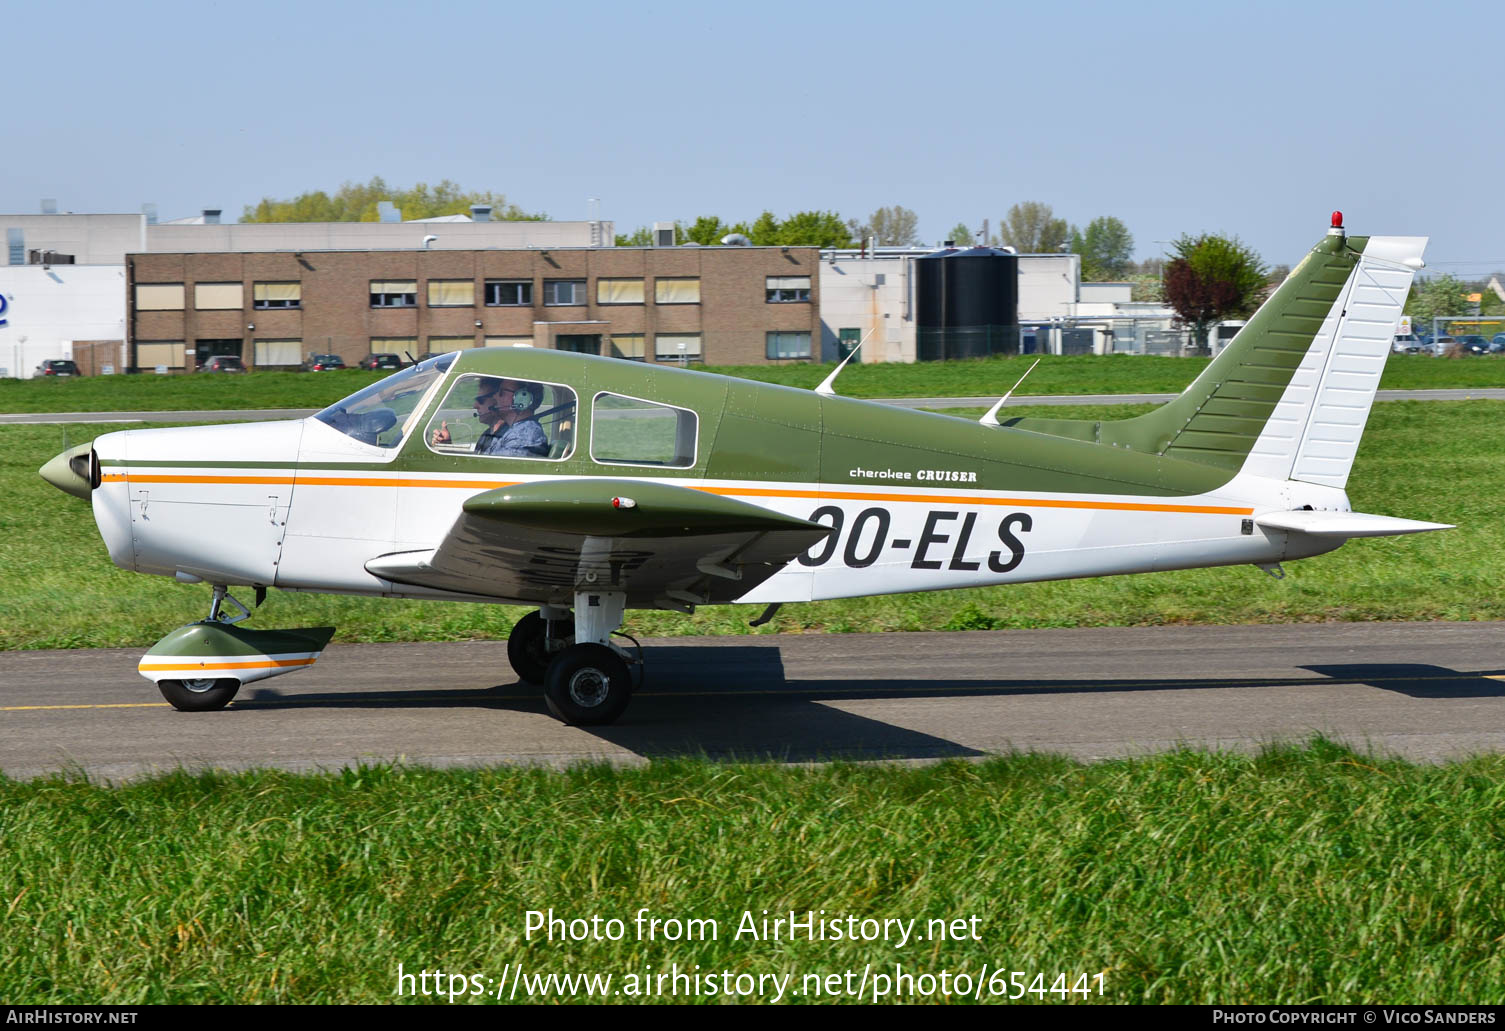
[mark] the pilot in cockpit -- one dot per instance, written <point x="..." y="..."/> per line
<point x="509" y="409"/>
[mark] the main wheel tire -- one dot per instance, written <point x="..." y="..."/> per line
<point x="527" y="647"/>
<point x="588" y="685"/>
<point x="199" y="695"/>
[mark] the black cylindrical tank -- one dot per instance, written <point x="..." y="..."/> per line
<point x="966" y="303"/>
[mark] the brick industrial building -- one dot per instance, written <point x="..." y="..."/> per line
<point x="719" y="305"/>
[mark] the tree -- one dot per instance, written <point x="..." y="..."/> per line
<point x="1106" y="247"/>
<point x="1212" y="278"/>
<point x="1437" y="296"/>
<point x="706" y="230"/>
<point x="961" y="235"/>
<point x="1031" y="228"/>
<point x="890" y="227"/>
<point x="357" y="202"/>
<point x="642" y="236"/>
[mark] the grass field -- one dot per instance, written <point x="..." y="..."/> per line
<point x="1301" y="875"/>
<point x="1439" y="461"/>
<point x="1082" y="374"/>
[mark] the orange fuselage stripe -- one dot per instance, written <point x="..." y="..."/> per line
<point x="749" y="492"/>
<point x="155" y="667"/>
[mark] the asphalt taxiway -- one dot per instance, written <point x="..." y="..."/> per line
<point x="1427" y="691"/>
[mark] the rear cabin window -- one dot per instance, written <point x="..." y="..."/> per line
<point x="500" y="417"/>
<point x="631" y="431"/>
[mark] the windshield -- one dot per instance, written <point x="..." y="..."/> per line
<point x="380" y="413"/>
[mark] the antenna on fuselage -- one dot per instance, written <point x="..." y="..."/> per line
<point x="827" y="387"/>
<point x="991" y="419"/>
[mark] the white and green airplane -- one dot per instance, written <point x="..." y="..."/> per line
<point x="587" y="486"/>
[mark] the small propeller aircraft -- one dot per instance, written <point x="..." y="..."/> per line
<point x="588" y="486"/>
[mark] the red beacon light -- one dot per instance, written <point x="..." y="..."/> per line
<point x="1337" y="229"/>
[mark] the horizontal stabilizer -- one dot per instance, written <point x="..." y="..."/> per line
<point x="1344" y="524"/>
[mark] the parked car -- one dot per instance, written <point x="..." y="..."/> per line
<point x="323" y="363"/>
<point x="1497" y="344"/>
<point x="57" y="367"/>
<point x="1472" y="343"/>
<point x="381" y="361"/>
<point x="223" y="363"/>
<point x="1407" y="343"/>
<point x="1441" y="344"/>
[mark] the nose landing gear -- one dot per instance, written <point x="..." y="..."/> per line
<point x="201" y="666"/>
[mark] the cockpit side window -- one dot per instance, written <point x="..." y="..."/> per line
<point x="381" y="413"/>
<point x="631" y="431"/>
<point x="497" y="416"/>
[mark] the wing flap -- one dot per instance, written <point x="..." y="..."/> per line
<point x="1344" y="524"/>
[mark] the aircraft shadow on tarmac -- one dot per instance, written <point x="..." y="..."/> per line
<point x="1417" y="680"/>
<point x="737" y="703"/>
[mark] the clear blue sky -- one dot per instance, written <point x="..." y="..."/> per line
<point x="1248" y="119"/>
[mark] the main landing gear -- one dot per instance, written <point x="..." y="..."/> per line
<point x="587" y="680"/>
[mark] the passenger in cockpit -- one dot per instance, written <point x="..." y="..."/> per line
<point x="509" y="409"/>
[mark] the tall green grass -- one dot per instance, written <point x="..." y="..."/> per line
<point x="1057" y="374"/>
<point x="1299" y="875"/>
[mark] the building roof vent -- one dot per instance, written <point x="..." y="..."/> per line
<point x="49" y="205"/>
<point x="735" y="240"/>
<point x="150" y="211"/>
<point x="386" y="211"/>
<point x="211" y="216"/>
<point x="480" y="212"/>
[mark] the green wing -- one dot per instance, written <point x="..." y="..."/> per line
<point x="665" y="546"/>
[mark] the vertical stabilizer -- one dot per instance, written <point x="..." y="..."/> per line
<point x="1314" y="432"/>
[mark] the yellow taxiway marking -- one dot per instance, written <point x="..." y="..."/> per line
<point x="109" y="705"/>
<point x="440" y="697"/>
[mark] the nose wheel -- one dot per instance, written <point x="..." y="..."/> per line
<point x="204" y="695"/>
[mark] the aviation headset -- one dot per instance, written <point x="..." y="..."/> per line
<point x="525" y="396"/>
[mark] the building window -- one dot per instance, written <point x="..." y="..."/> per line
<point x="676" y="291"/>
<point x="564" y="291"/>
<point x="788" y="345"/>
<point x="166" y="353"/>
<point x="394" y="293"/>
<point x="407" y="347"/>
<point x="508" y="342"/>
<point x="15" y="240"/>
<point x="786" y="289"/>
<point x="266" y="296"/>
<point x="627" y="345"/>
<point x="619" y="291"/>
<point x="278" y="352"/>
<point x="452" y="293"/>
<point x="218" y="296"/>
<point x="443" y="345"/>
<point x="509" y="293"/>
<point x="676" y="347"/>
<point x="159" y="297"/>
<point x="631" y="431"/>
<point x="579" y="343"/>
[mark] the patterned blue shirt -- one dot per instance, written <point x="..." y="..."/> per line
<point x="523" y="439"/>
